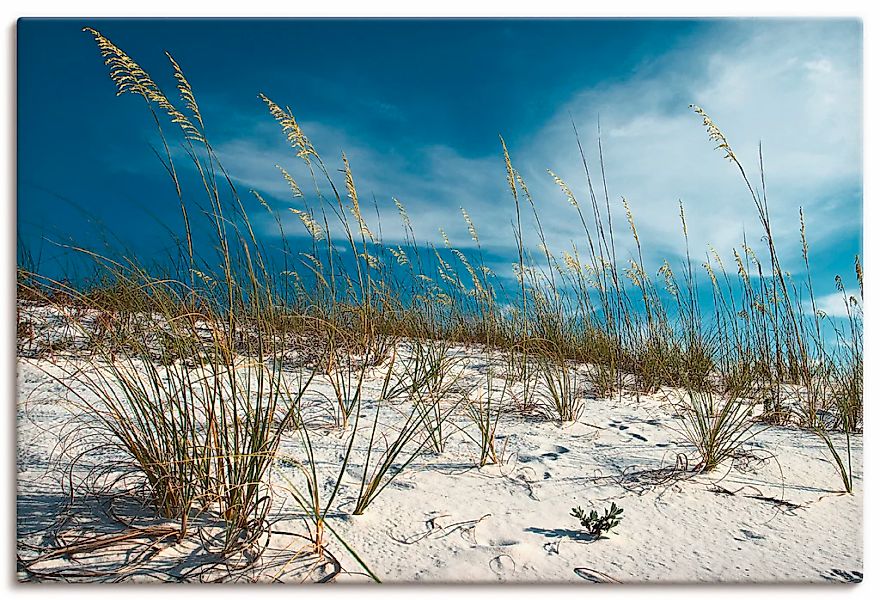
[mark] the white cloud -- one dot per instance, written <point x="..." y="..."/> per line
<point x="833" y="305"/>
<point x="432" y="183"/>
<point x="794" y="86"/>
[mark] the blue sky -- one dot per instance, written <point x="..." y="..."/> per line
<point x="418" y="107"/>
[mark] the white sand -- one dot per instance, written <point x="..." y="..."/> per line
<point x="774" y="515"/>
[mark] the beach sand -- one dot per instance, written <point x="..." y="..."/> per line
<point x="773" y="514"/>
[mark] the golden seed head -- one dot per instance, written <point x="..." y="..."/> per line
<point x="310" y="223"/>
<point x="565" y="189"/>
<point x="291" y="130"/>
<point x="129" y="77"/>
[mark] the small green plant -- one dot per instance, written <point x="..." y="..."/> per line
<point x="597" y="525"/>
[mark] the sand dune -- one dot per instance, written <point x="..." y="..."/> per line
<point x="774" y="513"/>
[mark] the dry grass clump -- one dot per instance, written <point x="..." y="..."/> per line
<point x="717" y="425"/>
<point x="561" y="387"/>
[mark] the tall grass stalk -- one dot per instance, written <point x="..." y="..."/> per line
<point x="484" y="408"/>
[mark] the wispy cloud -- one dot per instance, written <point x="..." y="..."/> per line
<point x="835" y="305"/>
<point x="795" y="87"/>
<point x="432" y="182"/>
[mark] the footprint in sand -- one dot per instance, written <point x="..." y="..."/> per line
<point x="484" y="534"/>
<point x="403" y="485"/>
<point x="557" y="451"/>
<point x="502" y="542"/>
<point x="622" y="427"/>
<point x="752" y="535"/>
